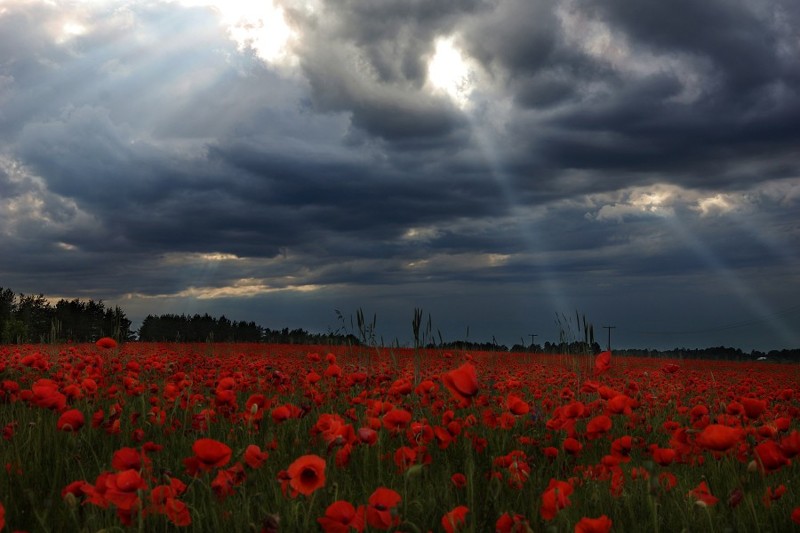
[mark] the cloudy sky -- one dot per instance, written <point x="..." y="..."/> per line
<point x="493" y="162"/>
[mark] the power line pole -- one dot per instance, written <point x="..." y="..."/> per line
<point x="533" y="338"/>
<point x="609" y="328"/>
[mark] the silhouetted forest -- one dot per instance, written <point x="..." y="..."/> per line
<point x="205" y="328"/>
<point x="28" y="318"/>
<point x="33" y="319"/>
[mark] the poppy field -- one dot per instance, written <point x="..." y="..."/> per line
<point x="267" y="438"/>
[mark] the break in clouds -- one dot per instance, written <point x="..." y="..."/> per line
<point x="493" y="162"/>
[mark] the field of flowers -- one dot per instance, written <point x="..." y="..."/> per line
<point x="266" y="438"/>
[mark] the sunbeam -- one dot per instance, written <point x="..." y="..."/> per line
<point x="752" y="301"/>
<point x="530" y="235"/>
<point x="452" y="72"/>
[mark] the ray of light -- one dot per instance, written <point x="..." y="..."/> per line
<point x="453" y="73"/>
<point x="529" y="234"/>
<point x="746" y="295"/>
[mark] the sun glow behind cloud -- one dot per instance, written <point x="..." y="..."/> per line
<point x="449" y="72"/>
<point x="72" y="29"/>
<point x="665" y="200"/>
<point x="259" y="26"/>
<point x="242" y="288"/>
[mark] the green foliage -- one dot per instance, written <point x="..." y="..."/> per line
<point x="14" y="331"/>
<point x="29" y="318"/>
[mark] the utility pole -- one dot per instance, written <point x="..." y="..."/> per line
<point x="609" y="328"/>
<point x="533" y="338"/>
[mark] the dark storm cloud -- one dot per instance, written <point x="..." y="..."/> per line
<point x="737" y="37"/>
<point x="668" y="89"/>
<point x="371" y="60"/>
<point x="610" y="152"/>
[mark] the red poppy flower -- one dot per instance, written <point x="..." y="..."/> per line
<point x="71" y="420"/>
<point x="795" y="515"/>
<point x="254" y="457"/>
<point x="551" y="452"/>
<point x="404" y="458"/>
<point x="367" y="435"/>
<point x="770" y="455"/>
<point x="702" y="495"/>
<point x="602" y="362"/>
<point x="601" y="524"/>
<point x="341" y="517"/>
<point x="2" y="516"/>
<point x="664" y="456"/>
<point x="621" y="448"/>
<point x="512" y="524"/>
<point x="129" y="459"/>
<point x="572" y="446"/>
<point x="227" y="480"/>
<point x="211" y="453"/>
<point x="76" y="489"/>
<point x="597" y="426"/>
<point x="106" y="343"/>
<point x="790" y="444"/>
<point x="122" y="489"/>
<point x="753" y="407"/>
<point x="459" y="480"/>
<point x="283" y="413"/>
<point x="517" y="405"/>
<point x="670" y="368"/>
<point x="396" y="419"/>
<point x="160" y="493"/>
<point x="177" y="512"/>
<point x="96" y="494"/>
<point x="307" y="474"/>
<point x="462" y="383"/>
<point x="773" y="495"/>
<point x="621" y="404"/>
<point x="333" y="371"/>
<point x="164" y="500"/>
<point x="456" y="519"/>
<point x="47" y="396"/>
<point x="719" y="438"/>
<point x="255" y="405"/>
<point x="667" y="480"/>
<point x="381" y="509"/>
<point x="555" y="498"/>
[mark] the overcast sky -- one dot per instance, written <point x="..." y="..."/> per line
<point x="493" y="162"/>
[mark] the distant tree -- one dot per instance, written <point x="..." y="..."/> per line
<point x="70" y="315"/>
<point x="7" y="299"/>
<point x="36" y="313"/>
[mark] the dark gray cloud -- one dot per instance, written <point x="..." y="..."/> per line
<point x="635" y="161"/>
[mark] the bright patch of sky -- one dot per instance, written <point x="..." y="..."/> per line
<point x="258" y="26"/>
<point x="449" y="72"/>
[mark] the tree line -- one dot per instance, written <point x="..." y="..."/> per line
<point x="32" y="318"/>
<point x="575" y="347"/>
<point x="205" y="328"/>
<point x="714" y="352"/>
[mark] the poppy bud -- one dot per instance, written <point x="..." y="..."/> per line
<point x="71" y="500"/>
